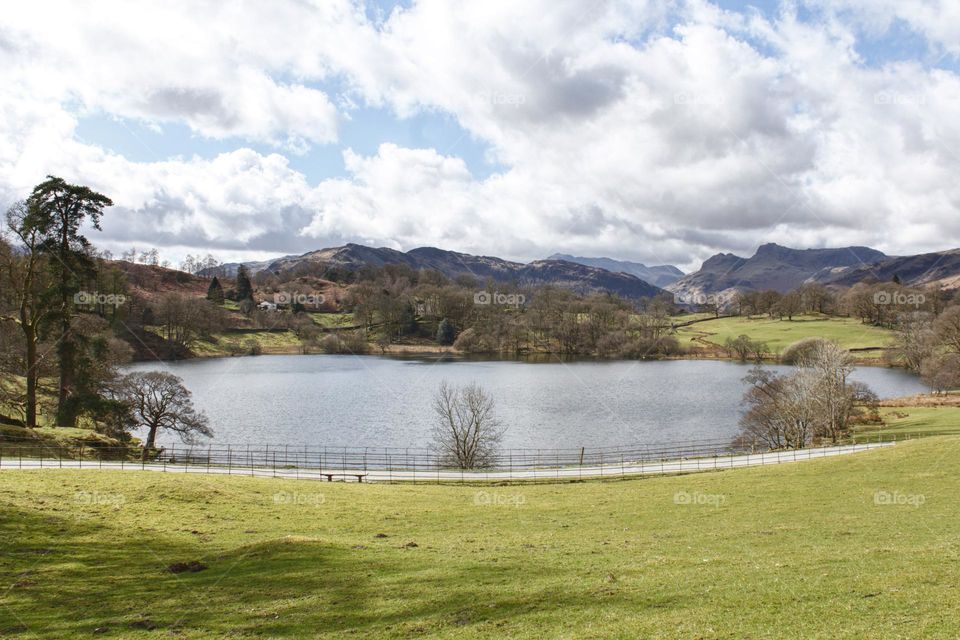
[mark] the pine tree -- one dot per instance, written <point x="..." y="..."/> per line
<point x="215" y="291"/>
<point x="244" y="288"/>
<point x="56" y="211"/>
<point x="446" y="332"/>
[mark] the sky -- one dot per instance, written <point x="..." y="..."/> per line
<point x="656" y="131"/>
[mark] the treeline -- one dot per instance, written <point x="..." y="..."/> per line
<point x="488" y="317"/>
<point x="880" y="304"/>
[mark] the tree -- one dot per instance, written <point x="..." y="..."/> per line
<point x="745" y="348"/>
<point x="446" y="333"/>
<point x="55" y="211"/>
<point x="467" y="433"/>
<point x="159" y="402"/>
<point x="778" y="412"/>
<point x="832" y="366"/>
<point x="947" y="329"/>
<point x="186" y="320"/>
<point x="244" y="288"/>
<point x="914" y="339"/>
<point x="816" y="402"/>
<point x="215" y="291"/>
<point x="789" y="305"/>
<point x="941" y="373"/>
<point x="25" y="284"/>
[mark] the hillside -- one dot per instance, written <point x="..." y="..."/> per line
<point x="771" y="267"/>
<point x="939" y="268"/>
<point x="659" y="275"/>
<point x="148" y="281"/>
<point x="580" y="278"/>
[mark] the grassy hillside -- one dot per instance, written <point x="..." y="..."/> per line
<point x="778" y="334"/>
<point x="801" y="550"/>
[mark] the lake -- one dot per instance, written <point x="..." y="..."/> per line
<point x="373" y="401"/>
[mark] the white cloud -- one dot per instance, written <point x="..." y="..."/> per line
<point x="655" y="130"/>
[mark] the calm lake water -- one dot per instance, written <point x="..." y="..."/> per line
<point x="376" y="401"/>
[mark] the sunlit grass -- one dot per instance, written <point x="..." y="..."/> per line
<point x="850" y="333"/>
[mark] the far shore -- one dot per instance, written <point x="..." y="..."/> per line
<point x="434" y="350"/>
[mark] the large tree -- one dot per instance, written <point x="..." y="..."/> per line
<point x="159" y="402"/>
<point x="24" y="288"/>
<point x="55" y="211"/>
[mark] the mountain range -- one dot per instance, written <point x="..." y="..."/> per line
<point x="581" y="278"/>
<point x="772" y="267"/>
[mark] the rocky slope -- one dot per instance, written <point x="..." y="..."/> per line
<point x="772" y="267"/>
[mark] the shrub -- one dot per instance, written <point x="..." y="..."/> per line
<point x="346" y="343"/>
<point x="800" y="350"/>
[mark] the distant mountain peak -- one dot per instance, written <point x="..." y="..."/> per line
<point x="659" y="275"/>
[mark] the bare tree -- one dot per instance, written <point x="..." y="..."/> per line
<point x="816" y="403"/>
<point x="947" y="329"/>
<point x="467" y="433"/>
<point x="778" y="413"/>
<point x="941" y="373"/>
<point x="185" y="320"/>
<point x="914" y="340"/>
<point x="159" y="402"/>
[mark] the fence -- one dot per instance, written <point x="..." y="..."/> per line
<point x="419" y="464"/>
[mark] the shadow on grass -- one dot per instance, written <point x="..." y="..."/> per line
<point x="67" y="578"/>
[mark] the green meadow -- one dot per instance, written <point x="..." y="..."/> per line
<point x="851" y="547"/>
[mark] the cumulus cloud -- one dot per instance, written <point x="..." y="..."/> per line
<point x="661" y="131"/>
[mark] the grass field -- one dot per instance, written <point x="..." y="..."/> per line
<point x="267" y="341"/>
<point x="778" y="334"/>
<point x="904" y="422"/>
<point x="853" y="547"/>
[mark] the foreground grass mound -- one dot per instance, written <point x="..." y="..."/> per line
<point x="852" y="547"/>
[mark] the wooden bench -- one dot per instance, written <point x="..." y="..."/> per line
<point x="358" y="476"/>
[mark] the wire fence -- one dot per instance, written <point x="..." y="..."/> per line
<point x="385" y="464"/>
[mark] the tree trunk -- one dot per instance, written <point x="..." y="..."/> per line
<point x="31" y="374"/>
<point x="65" y="417"/>
<point x="151" y="440"/>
